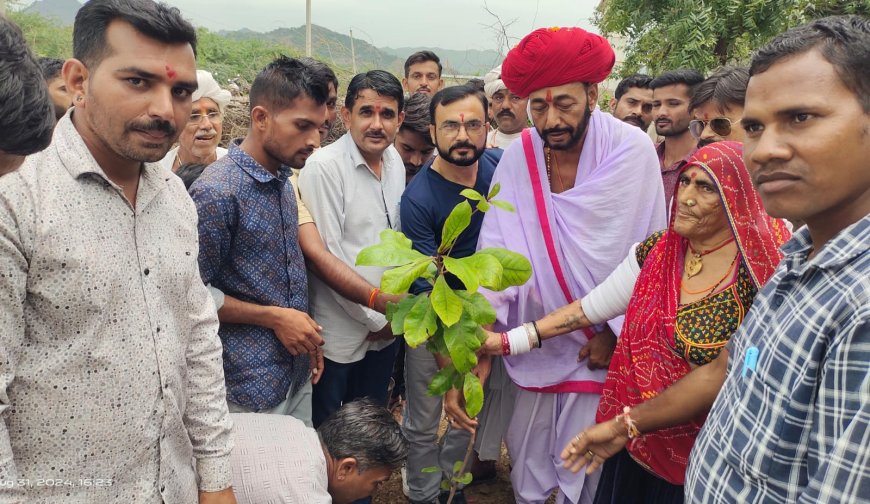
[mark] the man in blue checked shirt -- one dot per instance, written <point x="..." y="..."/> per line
<point x="249" y="247"/>
<point x="791" y="420"/>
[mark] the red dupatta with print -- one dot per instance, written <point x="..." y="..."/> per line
<point x="644" y="364"/>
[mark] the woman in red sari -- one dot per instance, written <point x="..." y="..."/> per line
<point x="684" y="292"/>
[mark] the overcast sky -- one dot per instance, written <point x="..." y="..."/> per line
<point x="451" y="24"/>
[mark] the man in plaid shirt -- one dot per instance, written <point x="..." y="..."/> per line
<point x="791" y="422"/>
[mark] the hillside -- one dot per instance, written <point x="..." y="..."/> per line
<point x="469" y="62"/>
<point x="328" y="46"/>
<point x="63" y="11"/>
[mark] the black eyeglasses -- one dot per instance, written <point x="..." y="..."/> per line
<point x="719" y="125"/>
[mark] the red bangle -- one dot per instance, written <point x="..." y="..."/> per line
<point x="372" y="297"/>
<point x="505" y="344"/>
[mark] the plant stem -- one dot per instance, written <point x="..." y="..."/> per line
<point x="468" y="451"/>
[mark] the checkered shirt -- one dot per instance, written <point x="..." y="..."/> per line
<point x="797" y="429"/>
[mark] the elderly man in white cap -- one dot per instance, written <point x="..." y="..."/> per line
<point x="198" y="142"/>
<point x="509" y="110"/>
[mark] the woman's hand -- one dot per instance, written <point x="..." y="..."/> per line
<point x="594" y="445"/>
<point x="492" y="345"/>
<point x="454" y="408"/>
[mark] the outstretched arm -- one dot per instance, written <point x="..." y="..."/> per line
<point x="682" y="402"/>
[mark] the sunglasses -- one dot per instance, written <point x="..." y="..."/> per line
<point x="720" y="125"/>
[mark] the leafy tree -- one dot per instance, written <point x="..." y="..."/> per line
<point x="448" y="321"/>
<point x="705" y="34"/>
<point x="46" y="37"/>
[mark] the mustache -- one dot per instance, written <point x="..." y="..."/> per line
<point x="376" y="134"/>
<point x="705" y="142"/>
<point x="554" y="131"/>
<point x="154" y="125"/>
<point x="506" y="113"/>
<point x="463" y="145"/>
<point x="633" y="118"/>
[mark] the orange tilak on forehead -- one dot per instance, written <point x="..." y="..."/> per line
<point x="693" y="175"/>
<point x="461" y="117"/>
<point x="378" y="109"/>
<point x="549" y="96"/>
<point x="170" y="72"/>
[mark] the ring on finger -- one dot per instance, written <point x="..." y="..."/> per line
<point x="590" y="455"/>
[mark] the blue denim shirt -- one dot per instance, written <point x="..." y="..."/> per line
<point x="249" y="249"/>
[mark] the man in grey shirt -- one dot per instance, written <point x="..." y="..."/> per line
<point x="352" y="188"/>
<point x="111" y="384"/>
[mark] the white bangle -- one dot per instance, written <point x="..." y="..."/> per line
<point x="518" y="339"/>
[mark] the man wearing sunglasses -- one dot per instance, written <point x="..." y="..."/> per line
<point x="509" y="110"/>
<point x="717" y="106"/>
<point x="199" y="139"/>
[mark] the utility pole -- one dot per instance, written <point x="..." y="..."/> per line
<point x="352" y="54"/>
<point x="307" y="27"/>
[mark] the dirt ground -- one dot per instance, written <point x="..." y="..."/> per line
<point x="494" y="491"/>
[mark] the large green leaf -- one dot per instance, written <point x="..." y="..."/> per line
<point x="396" y="313"/>
<point x="436" y="343"/>
<point x="442" y="381"/>
<point x="447" y="304"/>
<point x="457" y="221"/>
<point x="516" y="269"/>
<point x="462" y="344"/>
<point x="477" y="307"/>
<point x="487" y="267"/>
<point x="420" y="322"/>
<point x="463" y="271"/>
<point x="471" y="194"/>
<point x="394" y="249"/>
<point x="399" y="280"/>
<point x="504" y="205"/>
<point x="473" y="392"/>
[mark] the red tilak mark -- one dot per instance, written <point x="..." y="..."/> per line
<point x="461" y="117"/>
<point x="549" y="97"/>
<point x="378" y="109"/>
<point x="693" y="175"/>
<point x="706" y="117"/>
<point x="170" y="72"/>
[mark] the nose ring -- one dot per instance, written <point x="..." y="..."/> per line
<point x="691" y="202"/>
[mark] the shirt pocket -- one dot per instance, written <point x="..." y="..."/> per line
<point x="752" y="441"/>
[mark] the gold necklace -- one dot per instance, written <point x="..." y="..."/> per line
<point x="694" y="263"/>
<point x="558" y="173"/>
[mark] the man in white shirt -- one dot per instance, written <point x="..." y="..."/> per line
<point x="278" y="459"/>
<point x="352" y="188"/>
<point x="509" y="111"/>
<point x="111" y="384"/>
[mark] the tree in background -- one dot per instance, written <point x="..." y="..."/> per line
<point x="705" y="34"/>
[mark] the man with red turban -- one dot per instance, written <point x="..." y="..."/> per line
<point x="586" y="187"/>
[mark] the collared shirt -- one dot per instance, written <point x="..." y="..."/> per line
<point x="277" y="459"/>
<point x="795" y="429"/>
<point x="249" y="249"/>
<point x="671" y="173"/>
<point x="351" y="207"/>
<point x="110" y="366"/>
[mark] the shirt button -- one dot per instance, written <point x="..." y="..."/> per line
<point x="158" y="329"/>
<point x="162" y="487"/>
<point x="147" y="271"/>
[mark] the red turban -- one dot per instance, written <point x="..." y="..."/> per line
<point x="550" y="57"/>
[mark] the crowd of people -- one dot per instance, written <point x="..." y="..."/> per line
<point x="185" y="322"/>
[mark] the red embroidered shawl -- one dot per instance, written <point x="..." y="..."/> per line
<point x="643" y="364"/>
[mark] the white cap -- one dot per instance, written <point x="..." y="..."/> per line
<point x="209" y="88"/>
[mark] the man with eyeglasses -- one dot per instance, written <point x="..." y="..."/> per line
<point x="200" y="136"/>
<point x="632" y="101"/>
<point x="717" y="106"/>
<point x="509" y="110"/>
<point x="458" y="128"/>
